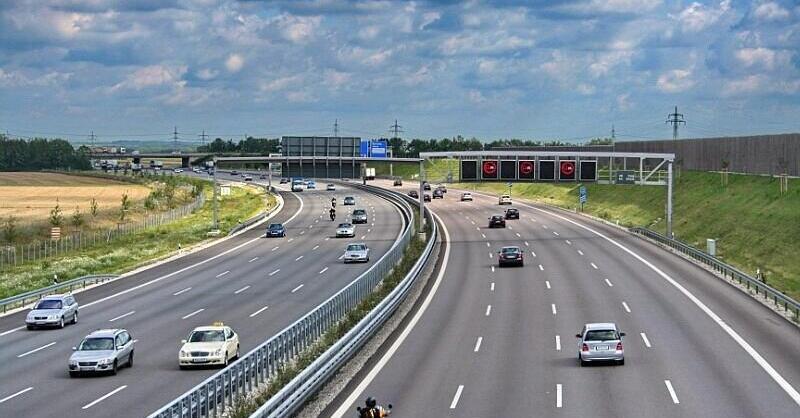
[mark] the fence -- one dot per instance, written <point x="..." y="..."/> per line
<point x="23" y="299"/>
<point x="11" y="256"/>
<point x="753" y="285"/>
<point x="211" y="397"/>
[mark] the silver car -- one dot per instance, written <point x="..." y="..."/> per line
<point x="104" y="350"/>
<point x="345" y="230"/>
<point x="359" y="216"/>
<point x="356" y="253"/>
<point x="53" y="310"/>
<point x="600" y="342"/>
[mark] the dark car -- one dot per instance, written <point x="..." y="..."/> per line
<point x="426" y="185"/>
<point x="398" y="182"/>
<point x="276" y="230"/>
<point x="510" y="256"/>
<point x="262" y="177"/>
<point x="497" y="221"/>
<point x="413" y="194"/>
<point x="426" y="197"/>
<point x="359" y="216"/>
<point x="438" y="194"/>
<point x="284" y="180"/>
<point x="512" y="213"/>
<point x="349" y="201"/>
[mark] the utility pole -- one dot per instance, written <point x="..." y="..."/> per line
<point x="203" y="137"/>
<point x="675" y="119"/>
<point x="175" y="139"/>
<point x="396" y="130"/>
<point x="92" y="138"/>
<point x="336" y="128"/>
<point x="613" y="133"/>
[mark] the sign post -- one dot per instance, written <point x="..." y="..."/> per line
<point x="509" y="184"/>
<point x="583" y="196"/>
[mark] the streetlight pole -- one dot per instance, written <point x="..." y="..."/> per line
<point x="215" y="222"/>
<point x="669" y="199"/>
<point x="421" y="196"/>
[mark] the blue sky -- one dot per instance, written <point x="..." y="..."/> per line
<point x="524" y="69"/>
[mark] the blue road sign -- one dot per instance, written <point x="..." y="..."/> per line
<point x="583" y="194"/>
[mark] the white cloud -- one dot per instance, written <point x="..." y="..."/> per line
<point x="151" y="76"/>
<point x="769" y="12"/>
<point x="484" y="43"/>
<point x="748" y="84"/>
<point x="585" y="89"/>
<point x="624" y="102"/>
<point x="280" y="83"/>
<point x="765" y="58"/>
<point x="698" y="16"/>
<point x="476" y="96"/>
<point x="604" y="63"/>
<point x="302" y="96"/>
<point x="234" y="63"/>
<point x="336" y="79"/>
<point x="675" y="81"/>
<point x="207" y="74"/>
<point x="18" y="79"/>
<point x="299" y="29"/>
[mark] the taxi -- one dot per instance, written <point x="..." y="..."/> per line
<point x="210" y="345"/>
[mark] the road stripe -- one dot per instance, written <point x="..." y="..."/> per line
<point x="36" y="349"/>
<point x="298" y="258"/>
<point x="226" y="272"/>
<point x="290" y="240"/>
<point x="555" y="233"/>
<point x="483" y="235"/>
<point x="518" y="235"/>
<point x="182" y="291"/>
<point x="526" y="244"/>
<point x="193" y="314"/>
<point x="274" y="248"/>
<point x="104" y="397"/>
<point x="275" y="272"/>
<point x="553" y="308"/>
<point x="568" y="242"/>
<point x="491" y="287"/>
<point x="315" y="247"/>
<point x="625" y="306"/>
<point x="253" y="259"/>
<point x="363" y="236"/>
<point x="258" y="311"/>
<point x="646" y="341"/>
<point x="327" y="238"/>
<point x="533" y="253"/>
<point x="594" y="265"/>
<point x="492" y="269"/>
<point x="301" y="233"/>
<point x="241" y="290"/>
<point x="323" y="270"/>
<point x="488" y="245"/>
<point x="547" y="283"/>
<point x="672" y="393"/>
<point x="478" y="344"/>
<point x="608" y="282"/>
<point x="488" y="310"/>
<point x="541" y="267"/>
<point x="580" y="252"/>
<point x="559" y="396"/>
<point x="124" y="315"/>
<point x="558" y="343"/>
<point x="510" y="227"/>
<point x="491" y="255"/>
<point x="297" y="288"/>
<point x="12" y="396"/>
<point x="545" y="226"/>
<point x="11" y="330"/>
<point x="456" y="397"/>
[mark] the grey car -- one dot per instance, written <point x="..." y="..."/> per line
<point x="53" y="311"/>
<point x="102" y="351"/>
<point x="349" y="201"/>
<point x="356" y="253"/>
<point x="600" y="342"/>
<point x="345" y="230"/>
<point x="359" y="216"/>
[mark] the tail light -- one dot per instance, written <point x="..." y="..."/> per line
<point x="585" y="347"/>
<point x="619" y="346"/>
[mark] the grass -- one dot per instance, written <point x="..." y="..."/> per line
<point x="131" y="251"/>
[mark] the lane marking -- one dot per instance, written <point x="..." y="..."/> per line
<point x="547" y="283"/>
<point x="341" y="256"/>
<point x="533" y="253"/>
<point x="473" y="222"/>
<point x="297" y="288"/>
<point x="253" y="259"/>
<point x="456" y="397"/>
<point x="492" y="269"/>
<point x="625" y="305"/>
<point x="510" y="227"/>
<point x="526" y="244"/>
<point x="559" y="396"/>
<point x="226" y="272"/>
<point x="193" y="314"/>
<point x="323" y="270"/>
<point x="672" y="393"/>
<point x="36" y="349"/>
<point x="363" y="236"/>
<point x="327" y="238"/>
<point x="608" y="282"/>
<point x="488" y="245"/>
<point x="483" y="235"/>
<point x="558" y="343"/>
<point x="104" y="397"/>
<point x="124" y="315"/>
<point x="491" y="287"/>
<point x="11" y="330"/>
<point x="298" y="258"/>
<point x="580" y="252"/>
<point x="478" y="344"/>
<point x="594" y="265"/>
<point x="182" y="291"/>
<point x="275" y="272"/>
<point x="646" y="341"/>
<point x="315" y="247"/>
<point x="553" y="308"/>
<point x="518" y="235"/>
<point x="555" y="233"/>
<point x="292" y="239"/>
<point x="301" y="233"/>
<point x="488" y="310"/>
<point x="545" y="226"/>
<point x="568" y="242"/>
<point x="491" y="255"/>
<point x="241" y="290"/>
<point x="274" y="248"/>
<point x="541" y="267"/>
<point x="9" y="397"/>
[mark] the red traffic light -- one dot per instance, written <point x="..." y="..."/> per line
<point x="490" y="168"/>
<point x="567" y="168"/>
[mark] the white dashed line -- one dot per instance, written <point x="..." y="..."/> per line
<point x="128" y="314"/>
<point x="315" y="247"/>
<point x="547" y="283"/>
<point x="327" y="238"/>
<point x="11" y="330"/>
<point x="568" y="242"/>
<point x="558" y="343"/>
<point x="594" y="265"/>
<point x="253" y="259"/>
<point x="241" y="290"/>
<point x="483" y="235"/>
<point x="193" y="314"/>
<point x="478" y="344"/>
<point x="290" y="240"/>
<point x="488" y="245"/>
<point x="553" y="308"/>
<point x="533" y="253"/>
<point x="526" y="244"/>
<point x="608" y="282"/>
<point x="488" y="310"/>
<point x="580" y="252"/>
<point x="473" y="222"/>
<point x="541" y="267"/>
<point x="555" y="233"/>
<point x="511" y="227"/>
<point x="491" y="287"/>
<point x="258" y="311"/>
<point x="672" y="393"/>
<point x="298" y="258"/>
<point x="36" y="349"/>
<point x="275" y="272"/>
<point x="226" y="272"/>
<point x="104" y="397"/>
<point x="274" y="248"/>
<point x="301" y="233"/>
<point x="545" y="226"/>
<point x="323" y="270"/>
<point x="491" y="255"/>
<point x="559" y="396"/>
<point x="492" y="269"/>
<point x="518" y="235"/>
<point x="457" y="396"/>
<point x="625" y="306"/>
<point x="297" y="288"/>
<point x="646" y="341"/>
<point x="12" y="396"/>
<point x="363" y="236"/>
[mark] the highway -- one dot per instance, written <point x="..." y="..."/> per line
<point x="256" y="285"/>
<point x="491" y="342"/>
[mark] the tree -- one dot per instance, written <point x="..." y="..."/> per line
<point x="10" y="229"/>
<point x="77" y="217"/>
<point x="56" y="216"/>
<point x="124" y="207"/>
<point x="93" y="207"/>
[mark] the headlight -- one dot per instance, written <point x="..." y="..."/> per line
<point x="30" y="315"/>
<point x="184" y="353"/>
<point x="104" y="361"/>
<point x="52" y="317"/>
<point x="218" y="352"/>
<point x="73" y="362"/>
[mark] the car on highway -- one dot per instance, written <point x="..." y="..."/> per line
<point x="510" y="255"/>
<point x="102" y="351"/>
<point x="195" y="170"/>
<point x="426" y="197"/>
<point x="345" y="230"/>
<point x="426" y="185"/>
<point x="234" y="173"/>
<point x="504" y="200"/>
<point x="600" y="342"/>
<point x="262" y="176"/>
<point x="441" y="187"/>
<point x="210" y="345"/>
<point x="177" y="170"/>
<point x="275" y="230"/>
<point x="398" y="182"/>
<point x="359" y="216"/>
<point x="349" y="201"/>
<point x="330" y="188"/>
<point x="310" y="184"/>
<point x="53" y="311"/>
<point x="248" y="177"/>
<point x="297" y="186"/>
<point x="284" y="180"/>
<point x="413" y="194"/>
<point x="356" y="253"/>
<point x="512" y="213"/>
<point x="466" y="197"/>
<point x="438" y="194"/>
<point x="497" y="221"/>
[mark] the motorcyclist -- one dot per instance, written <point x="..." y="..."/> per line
<point x="373" y="410"/>
<point x="333" y="214"/>
<point x="333" y="202"/>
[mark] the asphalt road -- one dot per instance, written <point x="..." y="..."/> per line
<point x="501" y="342"/>
<point x="256" y="285"/>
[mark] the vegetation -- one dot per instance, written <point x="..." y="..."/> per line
<point x="40" y="154"/>
<point x="248" y="145"/>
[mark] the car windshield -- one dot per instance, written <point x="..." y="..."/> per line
<point x="96" y="344"/>
<point x="49" y="304"/>
<point x="359" y="212"/>
<point x="355" y="247"/>
<point x="275" y="226"/>
<point x="207" y="336"/>
<point x="601" y="335"/>
<point x="344" y="225"/>
<point x="505" y="196"/>
<point x="349" y="198"/>
<point x="497" y="217"/>
<point x="511" y="211"/>
<point x="510" y="250"/>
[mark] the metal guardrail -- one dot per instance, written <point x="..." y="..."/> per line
<point x="752" y="284"/>
<point x="211" y="397"/>
<point x="260" y="216"/>
<point x="68" y="286"/>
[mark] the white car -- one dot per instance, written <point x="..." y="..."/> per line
<point x="466" y="197"/>
<point x="216" y="344"/>
<point x="504" y="200"/>
<point x="356" y="253"/>
<point x="345" y="230"/>
<point x="331" y="188"/>
<point x="177" y="170"/>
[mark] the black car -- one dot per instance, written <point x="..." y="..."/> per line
<point x="234" y="173"/>
<point x="413" y="194"/>
<point x="426" y="185"/>
<point x="497" y="221"/>
<point x="437" y="194"/>
<point x="398" y="182"/>
<point x="510" y="255"/>
<point x="512" y="213"/>
<point x="359" y="216"/>
<point x="263" y="177"/>
<point x="276" y="230"/>
<point x="426" y="197"/>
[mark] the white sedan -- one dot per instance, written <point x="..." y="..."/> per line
<point x="466" y="197"/>
<point x="356" y="253"/>
<point x="345" y="230"/>
<point x="216" y="344"/>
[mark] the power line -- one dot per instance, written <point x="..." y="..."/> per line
<point x="175" y="138"/>
<point x="92" y="138"/>
<point x="336" y="128"/>
<point x="203" y="137"/>
<point x="396" y="129"/>
<point x="675" y="119"/>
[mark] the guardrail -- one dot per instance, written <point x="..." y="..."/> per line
<point x="70" y="285"/>
<point x="258" y="217"/>
<point x="211" y="397"/>
<point x="791" y="306"/>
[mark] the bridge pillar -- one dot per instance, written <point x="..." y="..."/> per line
<point x="185" y="162"/>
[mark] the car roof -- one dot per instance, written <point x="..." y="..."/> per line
<point x="345" y="224"/>
<point x="276" y="224"/>
<point x="497" y="216"/>
<point x="210" y="328"/>
<point x="510" y="246"/>
<point x="55" y="297"/>
<point x="107" y="333"/>
<point x="510" y="209"/>
<point x="356" y="243"/>
<point x="601" y="325"/>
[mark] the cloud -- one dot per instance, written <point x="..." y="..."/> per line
<point x="16" y="78"/>
<point x="152" y="76"/>
<point x="675" y="81"/>
<point x="299" y="29"/>
<point x="207" y="74"/>
<point x="764" y="58"/>
<point x="281" y="83"/>
<point x="770" y="12"/>
<point x="234" y="63"/>
<point x="698" y="17"/>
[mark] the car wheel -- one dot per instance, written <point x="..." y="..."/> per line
<point x="75" y="318"/>
<point x="583" y="363"/>
<point x="237" y="353"/>
<point x="114" y="368"/>
<point x="225" y="363"/>
<point x="61" y="322"/>
<point x="130" y="360"/>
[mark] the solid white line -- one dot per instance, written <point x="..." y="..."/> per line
<point x="491" y="287"/>
<point x="298" y="258"/>
<point x="608" y="282"/>
<point x="541" y="267"/>
<point x="241" y="290"/>
<point x="555" y="233"/>
<point x="124" y="315"/>
<point x="478" y="344"/>
<point x="11" y="330"/>
<point x="36" y="349"/>
<point x="558" y="343"/>
<point x="456" y="397"/>
<point x="258" y="311"/>
<point x="193" y="314"/>
<point x="275" y="272"/>
<point x="568" y="242"/>
<point x="297" y="288"/>
<point x="553" y="308"/>
<point x="226" y="272"/>
<point x="323" y="270"/>
<point x="488" y="310"/>
<point x="102" y="398"/>
<point x="16" y="394"/>
<point x="559" y="396"/>
<point x="594" y="265"/>
<point x="646" y="341"/>
<point x="253" y="259"/>
<point x="526" y="244"/>
<point x="547" y="283"/>
<point x="625" y="305"/>
<point x="182" y="291"/>
<point x="315" y="247"/>
<point x="672" y="393"/>
<point x="580" y="252"/>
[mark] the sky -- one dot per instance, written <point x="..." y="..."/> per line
<point x="135" y="69"/>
